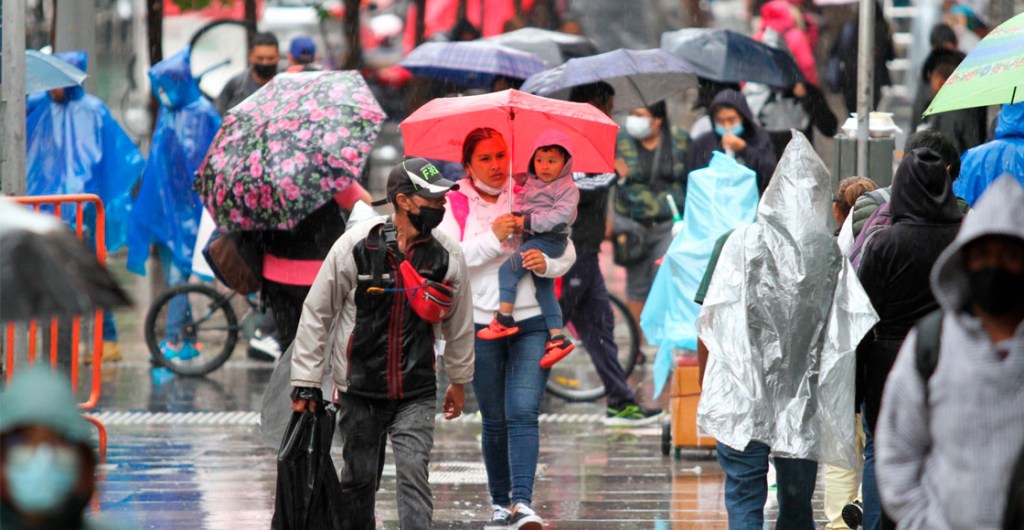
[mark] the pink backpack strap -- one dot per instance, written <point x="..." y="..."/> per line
<point x="459" y="204"/>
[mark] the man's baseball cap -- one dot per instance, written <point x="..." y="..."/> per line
<point x="303" y="47"/>
<point x="417" y="176"/>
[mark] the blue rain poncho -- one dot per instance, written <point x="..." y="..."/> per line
<point x="167" y="209"/>
<point x="719" y="198"/>
<point x="77" y="147"/>
<point x="984" y="164"/>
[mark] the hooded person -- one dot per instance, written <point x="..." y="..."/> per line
<point x="736" y="133"/>
<point x="75" y="146"/>
<point x="48" y="465"/>
<point x="167" y="208"/>
<point x="547" y="208"/>
<point x="1004" y="155"/>
<point x="772" y="387"/>
<point x="894" y="272"/>
<point x="952" y="420"/>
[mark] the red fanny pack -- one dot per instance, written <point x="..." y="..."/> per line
<point x="429" y="299"/>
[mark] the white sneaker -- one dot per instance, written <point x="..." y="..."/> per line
<point x="524" y="518"/>
<point x="499" y="517"/>
<point x="267" y="346"/>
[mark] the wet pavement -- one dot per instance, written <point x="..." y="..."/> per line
<point x="184" y="453"/>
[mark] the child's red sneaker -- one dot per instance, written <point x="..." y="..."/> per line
<point x="558" y="347"/>
<point x="502" y="326"/>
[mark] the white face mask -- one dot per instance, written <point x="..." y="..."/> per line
<point x="490" y="190"/>
<point x="638" y="127"/>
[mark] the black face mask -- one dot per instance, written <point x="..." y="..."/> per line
<point x="427" y="219"/>
<point x="265" y="71"/>
<point x="997" y="290"/>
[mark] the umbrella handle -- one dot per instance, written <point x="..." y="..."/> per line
<point x="511" y="165"/>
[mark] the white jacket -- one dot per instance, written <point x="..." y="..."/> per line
<point x="485" y="255"/>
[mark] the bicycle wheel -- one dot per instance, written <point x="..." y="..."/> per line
<point x="217" y="53"/>
<point x="574" y="377"/>
<point x="191" y="329"/>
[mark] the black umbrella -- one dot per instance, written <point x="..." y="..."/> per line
<point x="554" y="47"/>
<point x="45" y="271"/>
<point x="729" y="57"/>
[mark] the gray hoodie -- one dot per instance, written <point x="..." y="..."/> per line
<point x="549" y="206"/>
<point x="946" y="463"/>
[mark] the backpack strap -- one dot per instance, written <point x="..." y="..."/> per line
<point x="929" y="342"/>
<point x="459" y="204"/>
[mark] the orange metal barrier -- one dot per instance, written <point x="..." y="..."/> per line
<point x="76" y="201"/>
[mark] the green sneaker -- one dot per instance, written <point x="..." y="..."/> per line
<point x="631" y="414"/>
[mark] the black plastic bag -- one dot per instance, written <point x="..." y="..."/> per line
<point x="308" y="490"/>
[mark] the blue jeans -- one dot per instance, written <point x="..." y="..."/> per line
<point x="553" y="246"/>
<point x="869" y="483"/>
<point x="179" y="311"/>
<point x="746" y="488"/>
<point x="509" y="386"/>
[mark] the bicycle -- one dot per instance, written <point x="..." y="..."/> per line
<point x="204" y="319"/>
<point x="574" y="378"/>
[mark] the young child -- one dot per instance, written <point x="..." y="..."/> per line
<point x="548" y="207"/>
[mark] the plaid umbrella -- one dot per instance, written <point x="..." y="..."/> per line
<point x="473" y="64"/>
<point x="288" y="149"/>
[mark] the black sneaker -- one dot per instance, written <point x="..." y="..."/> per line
<point x="524" y="518"/>
<point x="853" y="514"/>
<point x="631" y="414"/>
<point x="500" y="517"/>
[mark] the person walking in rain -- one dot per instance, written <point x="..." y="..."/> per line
<point x="1004" y="155"/>
<point x="75" y="146"/>
<point x="951" y="426"/>
<point x="167" y="209"/>
<point x="47" y="463"/>
<point x="264" y="56"/>
<point x="771" y="387"/>
<point x="389" y="283"/>
<point x="736" y="133"/>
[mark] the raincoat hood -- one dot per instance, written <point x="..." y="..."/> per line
<point x="922" y="191"/>
<point x="1011" y="121"/>
<point x="788" y="386"/>
<point x="734" y="99"/>
<point x="553" y="137"/>
<point x="80" y="60"/>
<point x="778" y="15"/>
<point x="172" y="81"/>
<point x="999" y="211"/>
<point x="38" y="396"/>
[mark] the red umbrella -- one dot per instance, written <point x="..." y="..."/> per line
<point x="438" y="128"/>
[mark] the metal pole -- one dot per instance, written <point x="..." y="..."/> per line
<point x="865" y="81"/>
<point x="12" y="93"/>
<point x="75" y="29"/>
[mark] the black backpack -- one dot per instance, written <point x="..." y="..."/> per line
<point x="929" y="342"/>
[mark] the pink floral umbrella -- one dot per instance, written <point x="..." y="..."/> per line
<point x="288" y="149"/>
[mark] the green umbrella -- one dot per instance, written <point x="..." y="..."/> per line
<point x="992" y="74"/>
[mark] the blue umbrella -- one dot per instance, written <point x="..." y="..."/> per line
<point x="640" y="78"/>
<point x="474" y="64"/>
<point x="728" y="57"/>
<point x="46" y="72"/>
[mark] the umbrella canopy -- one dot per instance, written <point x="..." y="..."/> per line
<point x="438" y="128"/>
<point x="45" y="271"/>
<point x="46" y="72"/>
<point x="288" y="149"/>
<point x="474" y="64"/>
<point x="726" y="56"/>
<point x="992" y="74"/>
<point x="553" y="47"/>
<point x="639" y="78"/>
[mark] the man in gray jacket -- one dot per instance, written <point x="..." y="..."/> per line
<point x="951" y="431"/>
<point x="387" y="293"/>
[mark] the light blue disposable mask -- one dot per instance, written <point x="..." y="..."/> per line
<point x="736" y="130"/>
<point x="41" y="477"/>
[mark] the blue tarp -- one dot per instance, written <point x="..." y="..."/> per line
<point x="719" y="198"/>
<point x="75" y="146"/>
<point x="167" y="209"/>
<point x="982" y="165"/>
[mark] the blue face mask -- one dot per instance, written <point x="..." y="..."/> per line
<point x="735" y="130"/>
<point x="41" y="477"/>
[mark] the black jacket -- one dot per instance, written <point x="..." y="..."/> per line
<point x="592" y="211"/>
<point x="759" y="154"/>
